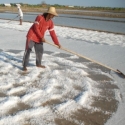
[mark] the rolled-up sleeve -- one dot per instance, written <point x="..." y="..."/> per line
<point x="36" y="27"/>
<point x="53" y="34"/>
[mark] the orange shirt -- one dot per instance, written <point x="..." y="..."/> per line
<point x="38" y="29"/>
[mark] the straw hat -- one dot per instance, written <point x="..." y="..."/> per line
<point x="52" y="11"/>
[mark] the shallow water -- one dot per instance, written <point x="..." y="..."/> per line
<point x="116" y="25"/>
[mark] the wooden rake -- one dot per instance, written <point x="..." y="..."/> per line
<point x="12" y="19"/>
<point x="74" y="53"/>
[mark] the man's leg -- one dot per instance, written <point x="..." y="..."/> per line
<point x="39" y="54"/>
<point x="29" y="47"/>
<point x="21" y="20"/>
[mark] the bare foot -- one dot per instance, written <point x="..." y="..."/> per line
<point x="40" y="66"/>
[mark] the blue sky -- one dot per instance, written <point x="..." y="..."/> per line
<point x="102" y="3"/>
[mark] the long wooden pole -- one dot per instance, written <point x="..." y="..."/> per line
<point x="12" y="19"/>
<point x="117" y="71"/>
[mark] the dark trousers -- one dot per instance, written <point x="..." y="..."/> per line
<point x="38" y="50"/>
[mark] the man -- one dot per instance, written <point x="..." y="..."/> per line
<point x="35" y="37"/>
<point x="20" y="14"/>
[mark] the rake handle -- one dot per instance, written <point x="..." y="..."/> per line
<point x="12" y="19"/>
<point x="117" y="71"/>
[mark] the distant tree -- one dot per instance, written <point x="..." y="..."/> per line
<point x="43" y="3"/>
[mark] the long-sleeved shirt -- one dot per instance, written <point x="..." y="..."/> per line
<point x="38" y="29"/>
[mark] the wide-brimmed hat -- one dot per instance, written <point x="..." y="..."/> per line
<point x="52" y="11"/>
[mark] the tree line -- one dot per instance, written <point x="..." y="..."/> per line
<point x="44" y="5"/>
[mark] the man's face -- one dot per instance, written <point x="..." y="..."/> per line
<point x="51" y="16"/>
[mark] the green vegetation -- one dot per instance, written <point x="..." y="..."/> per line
<point x="44" y="5"/>
<point x="115" y="12"/>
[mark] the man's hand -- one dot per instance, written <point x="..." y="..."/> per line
<point x="43" y="40"/>
<point x="59" y="46"/>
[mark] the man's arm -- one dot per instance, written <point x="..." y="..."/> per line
<point x="54" y="37"/>
<point x="36" y="27"/>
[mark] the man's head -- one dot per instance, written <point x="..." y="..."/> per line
<point x="52" y="11"/>
<point x="18" y="7"/>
